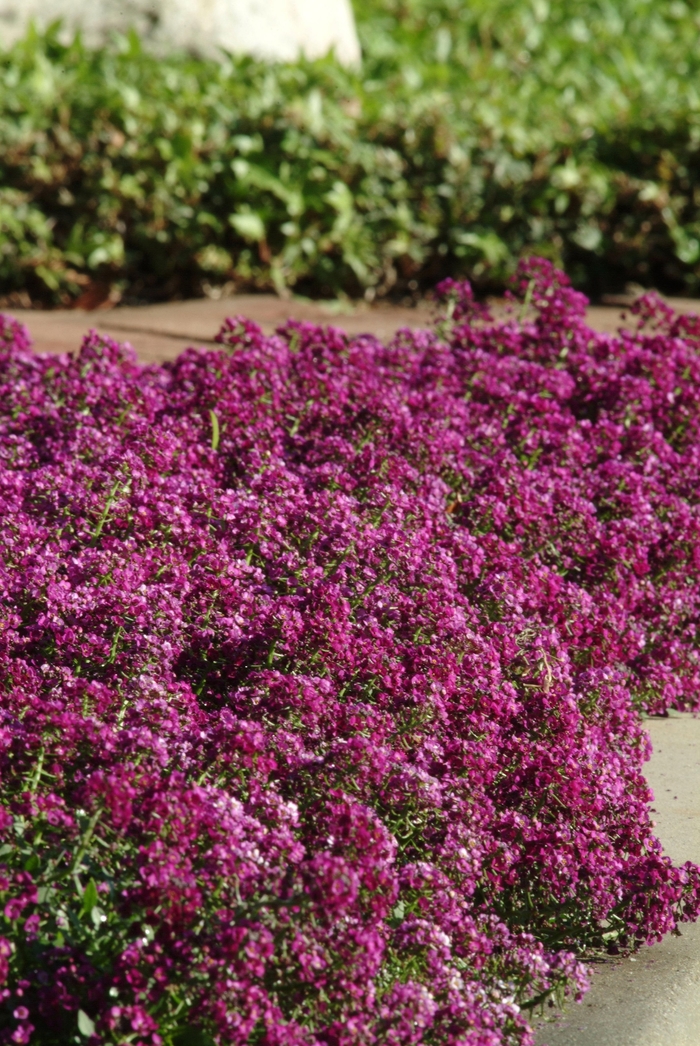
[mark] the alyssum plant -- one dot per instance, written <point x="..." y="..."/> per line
<point x="322" y="662"/>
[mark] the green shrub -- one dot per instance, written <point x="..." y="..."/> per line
<point x="474" y="133"/>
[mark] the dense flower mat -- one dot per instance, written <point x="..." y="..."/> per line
<point x="322" y="664"/>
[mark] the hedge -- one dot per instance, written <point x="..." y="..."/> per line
<point x="472" y="135"/>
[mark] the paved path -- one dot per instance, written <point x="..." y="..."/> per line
<point x="160" y="332"/>
<point x="652" y="999"/>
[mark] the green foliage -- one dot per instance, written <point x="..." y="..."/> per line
<point x="475" y="133"/>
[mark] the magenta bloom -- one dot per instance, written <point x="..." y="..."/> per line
<point x="322" y="662"/>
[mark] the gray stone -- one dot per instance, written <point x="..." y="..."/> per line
<point x="270" y="29"/>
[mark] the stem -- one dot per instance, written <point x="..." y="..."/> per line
<point x="84" y="843"/>
<point x="115" y="645"/>
<point x="106" y="511"/>
<point x="36" y="776"/>
<point x="526" y="303"/>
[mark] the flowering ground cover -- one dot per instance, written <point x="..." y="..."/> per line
<point x="323" y="663"/>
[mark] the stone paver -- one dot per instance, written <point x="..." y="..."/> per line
<point x="653" y="998"/>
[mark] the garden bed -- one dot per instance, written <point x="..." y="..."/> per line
<point x="323" y="662"/>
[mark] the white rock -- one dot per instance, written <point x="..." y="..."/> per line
<point x="270" y="29"/>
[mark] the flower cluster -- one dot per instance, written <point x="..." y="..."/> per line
<point x="322" y="662"/>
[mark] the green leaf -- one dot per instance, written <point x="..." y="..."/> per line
<point x="491" y="246"/>
<point x="98" y="916"/>
<point x="249" y="225"/>
<point x="90" y="897"/>
<point x="49" y="277"/>
<point x="85" y="1025"/>
<point x="215" y="430"/>
<point x="32" y="863"/>
<point x="192" y="1036"/>
<point x="398" y="915"/>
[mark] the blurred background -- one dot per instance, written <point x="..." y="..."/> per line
<point x="469" y="134"/>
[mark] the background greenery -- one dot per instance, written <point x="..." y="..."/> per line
<point x="476" y="131"/>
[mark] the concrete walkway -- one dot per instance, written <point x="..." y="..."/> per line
<point x="161" y="332"/>
<point x="653" y="998"/>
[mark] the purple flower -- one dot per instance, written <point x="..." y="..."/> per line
<point x="320" y="719"/>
